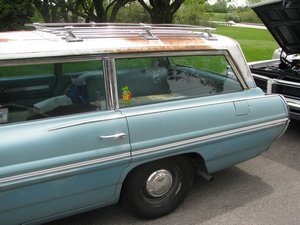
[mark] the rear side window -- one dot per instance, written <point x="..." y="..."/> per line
<point x="27" y="70"/>
<point x="33" y="92"/>
<point x="172" y="78"/>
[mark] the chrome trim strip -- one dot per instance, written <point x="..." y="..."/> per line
<point x="277" y="81"/>
<point x="62" y="168"/>
<point x="119" y="116"/>
<point x="107" y="82"/>
<point x="292" y="103"/>
<point x="113" y="117"/>
<point x="50" y="59"/>
<point x="132" y="114"/>
<point x="143" y="151"/>
<point x="270" y="82"/>
<point x="212" y="136"/>
<point x="166" y="53"/>
<point x="88" y="57"/>
<point x="286" y="103"/>
<point x="114" y="84"/>
<point x="284" y="130"/>
<point x="237" y="72"/>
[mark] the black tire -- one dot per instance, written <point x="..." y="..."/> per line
<point x="156" y="188"/>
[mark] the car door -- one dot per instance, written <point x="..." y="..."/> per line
<point x="195" y="104"/>
<point x="62" y="163"/>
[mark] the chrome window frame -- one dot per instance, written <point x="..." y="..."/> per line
<point x="133" y="55"/>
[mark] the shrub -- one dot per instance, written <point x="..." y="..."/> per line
<point x="233" y="17"/>
<point x="192" y="13"/>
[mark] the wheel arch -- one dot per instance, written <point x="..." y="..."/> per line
<point x="135" y="196"/>
<point x="196" y="159"/>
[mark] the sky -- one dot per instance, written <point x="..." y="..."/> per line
<point x="237" y="2"/>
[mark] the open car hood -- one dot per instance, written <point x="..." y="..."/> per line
<point x="282" y="19"/>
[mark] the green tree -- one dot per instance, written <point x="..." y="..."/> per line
<point x="161" y="11"/>
<point x="193" y="12"/>
<point x="133" y="12"/>
<point x="69" y="10"/>
<point x="249" y="2"/>
<point x="220" y="6"/>
<point x="200" y="2"/>
<point x="54" y="11"/>
<point x="98" y="10"/>
<point x="15" y="13"/>
<point x="248" y="15"/>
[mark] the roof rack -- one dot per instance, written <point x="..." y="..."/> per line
<point x="73" y="32"/>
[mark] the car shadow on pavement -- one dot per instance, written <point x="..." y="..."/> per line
<point x="286" y="149"/>
<point x="230" y="189"/>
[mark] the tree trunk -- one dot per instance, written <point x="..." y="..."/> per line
<point x="100" y="11"/>
<point x="161" y="11"/>
<point x="43" y="8"/>
<point x="161" y="17"/>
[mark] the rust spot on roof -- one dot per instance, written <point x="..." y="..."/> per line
<point x="4" y="40"/>
<point x="166" y="44"/>
<point x="169" y="40"/>
<point x="182" y="41"/>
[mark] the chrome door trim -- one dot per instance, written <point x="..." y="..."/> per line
<point x="65" y="168"/>
<point x="210" y="137"/>
<point x="237" y="72"/>
<point x="87" y="121"/>
<point x="196" y="105"/>
<point x="272" y="81"/>
<point x="108" y="70"/>
<point x="167" y="53"/>
<point x="114" y="84"/>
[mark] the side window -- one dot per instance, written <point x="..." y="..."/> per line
<point x="31" y="92"/>
<point x="172" y="78"/>
<point x="26" y="71"/>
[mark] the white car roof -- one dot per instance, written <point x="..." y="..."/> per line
<point x="25" y="44"/>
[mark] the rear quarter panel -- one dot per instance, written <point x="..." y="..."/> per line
<point x="224" y="130"/>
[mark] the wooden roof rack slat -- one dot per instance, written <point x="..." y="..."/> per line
<point x="79" y="31"/>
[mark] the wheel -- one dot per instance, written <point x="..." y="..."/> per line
<point x="156" y="188"/>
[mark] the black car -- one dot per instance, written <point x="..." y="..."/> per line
<point x="282" y="75"/>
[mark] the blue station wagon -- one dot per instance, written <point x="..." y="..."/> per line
<point x="94" y="114"/>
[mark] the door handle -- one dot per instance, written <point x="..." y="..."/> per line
<point x="113" y="136"/>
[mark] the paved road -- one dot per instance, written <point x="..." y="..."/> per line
<point x="261" y="191"/>
<point x="249" y="25"/>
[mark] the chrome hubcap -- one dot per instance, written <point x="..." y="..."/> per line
<point x="159" y="183"/>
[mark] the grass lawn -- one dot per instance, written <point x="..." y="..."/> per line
<point x="219" y="17"/>
<point x="257" y="44"/>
